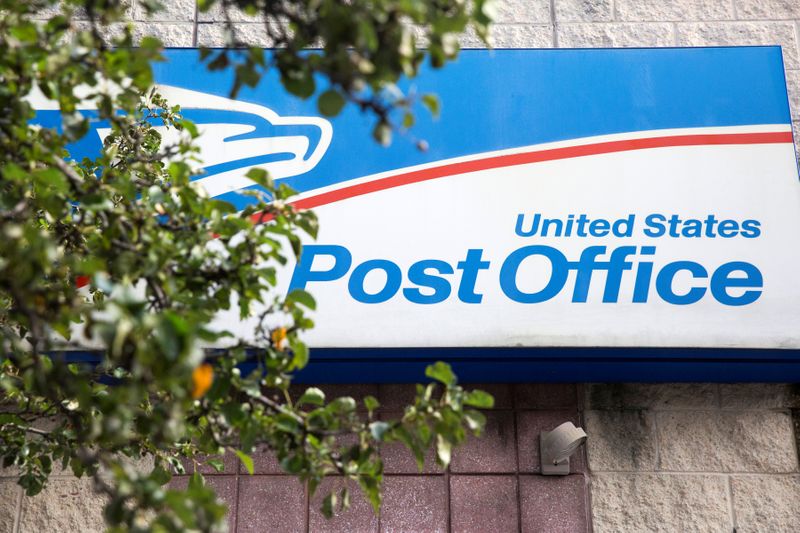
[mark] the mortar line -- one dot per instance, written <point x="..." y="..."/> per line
<point x="553" y="22"/>
<point x="448" y="506"/>
<point x="18" y="511"/>
<point x="696" y="473"/>
<point x="665" y="21"/>
<point x="380" y="511"/>
<point x="236" y="500"/>
<point x="730" y="502"/>
<point x="797" y="40"/>
<point x="587" y="471"/>
<point x="795" y="440"/>
<point x="307" y="501"/>
<point x="194" y="26"/>
<point x="516" y="458"/>
<point x="656" y="443"/>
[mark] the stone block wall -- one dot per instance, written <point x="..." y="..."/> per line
<point x="693" y="457"/>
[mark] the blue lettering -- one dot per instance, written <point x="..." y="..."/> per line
<point x="667" y="275"/>
<point x="585" y="266"/>
<point x="393" y="279"/>
<point x="508" y="274"/>
<point x="721" y="281"/>
<point x="655" y="225"/>
<point x="469" y="276"/>
<point x="303" y="274"/>
<point x="417" y="275"/>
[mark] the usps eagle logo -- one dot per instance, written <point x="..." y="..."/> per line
<point x="235" y="136"/>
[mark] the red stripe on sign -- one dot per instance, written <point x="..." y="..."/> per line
<point x="537" y="156"/>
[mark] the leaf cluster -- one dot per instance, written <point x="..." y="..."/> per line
<point x="123" y="257"/>
<point x="350" y="52"/>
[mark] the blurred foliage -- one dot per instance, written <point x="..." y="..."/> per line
<point x="360" y="49"/>
<point x="124" y="255"/>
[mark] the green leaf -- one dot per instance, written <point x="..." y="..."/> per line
<point x="371" y="403"/>
<point x="160" y="475"/>
<point x="246" y="460"/>
<point x="480" y="399"/>
<point x="196" y="481"/>
<point x="378" y="430"/>
<point x="476" y="421"/>
<point x="329" y="505"/>
<point x="382" y="133"/>
<point x="431" y="101"/>
<point x="25" y="31"/>
<point x="444" y="450"/>
<point x="300" y="359"/>
<point x="441" y="371"/>
<point x="216" y="464"/>
<point x="260" y="176"/>
<point x="408" y="120"/>
<point x="313" y="396"/>
<point x="299" y="83"/>
<point x="330" y="103"/>
<point x="303" y="298"/>
<point x="150" y="43"/>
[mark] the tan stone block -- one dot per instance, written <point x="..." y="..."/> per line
<point x="173" y="11"/>
<point x="518" y="11"/>
<point x="584" y="10"/>
<point x="726" y="441"/>
<point x="180" y="35"/>
<point x="669" y="503"/>
<point x="620" y="440"/>
<point x="66" y="504"/>
<point x="79" y="13"/>
<point x="651" y="396"/>
<point x="760" y="395"/>
<point x="673" y="10"/>
<point x="512" y="36"/>
<point x="742" y="33"/>
<point x="766" y="503"/>
<point x="793" y="88"/>
<point x="615" y="35"/>
<point x="216" y="14"/>
<point x="10" y="494"/>
<point x="213" y="35"/>
<point x="522" y="36"/>
<point x="768" y="9"/>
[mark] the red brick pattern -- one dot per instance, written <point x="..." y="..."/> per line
<point x="492" y="485"/>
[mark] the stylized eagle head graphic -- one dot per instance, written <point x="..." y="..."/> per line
<point x="234" y="137"/>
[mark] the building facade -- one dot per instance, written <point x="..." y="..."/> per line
<point x="659" y="457"/>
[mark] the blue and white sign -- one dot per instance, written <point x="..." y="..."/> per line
<point x="641" y="197"/>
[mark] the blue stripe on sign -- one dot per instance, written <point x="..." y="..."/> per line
<point x="494" y="100"/>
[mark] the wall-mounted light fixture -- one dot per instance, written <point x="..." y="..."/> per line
<point x="556" y="446"/>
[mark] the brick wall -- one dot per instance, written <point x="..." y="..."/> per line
<point x="492" y="485"/>
<point x="686" y="457"/>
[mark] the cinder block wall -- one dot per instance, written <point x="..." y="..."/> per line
<point x="669" y="457"/>
<point x="693" y="457"/>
